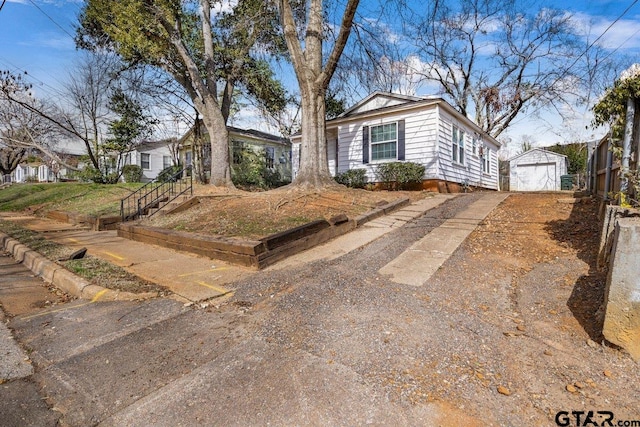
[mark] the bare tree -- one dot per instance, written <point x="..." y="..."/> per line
<point x="88" y="109"/>
<point x="304" y="31"/>
<point x="493" y="60"/>
<point x="23" y="129"/>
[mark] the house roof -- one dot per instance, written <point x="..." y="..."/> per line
<point x="258" y="134"/>
<point x="251" y="133"/>
<point x="397" y="103"/>
<point x="148" y="145"/>
<point x="536" y="149"/>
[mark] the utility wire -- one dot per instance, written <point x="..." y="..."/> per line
<point x="566" y="71"/>
<point x="55" y="23"/>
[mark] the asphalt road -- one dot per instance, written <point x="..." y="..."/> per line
<point x="307" y="345"/>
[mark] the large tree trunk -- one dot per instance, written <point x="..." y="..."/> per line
<point x="219" y="137"/>
<point x="314" y="79"/>
<point x="314" y="167"/>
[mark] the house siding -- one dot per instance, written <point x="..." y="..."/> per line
<point x="420" y="142"/>
<point x="471" y="170"/>
<point x="428" y="128"/>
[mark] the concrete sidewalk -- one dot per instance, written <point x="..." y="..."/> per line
<point x="192" y="278"/>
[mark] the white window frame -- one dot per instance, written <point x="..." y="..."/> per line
<point x="457" y="145"/>
<point x="486" y="160"/>
<point x="166" y="162"/>
<point x="148" y="161"/>
<point x="394" y="140"/>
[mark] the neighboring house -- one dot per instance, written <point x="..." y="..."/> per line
<point x="537" y="170"/>
<point x="275" y="149"/>
<point x="152" y="157"/>
<point x="386" y="127"/>
<point x="46" y="170"/>
<point x="27" y="172"/>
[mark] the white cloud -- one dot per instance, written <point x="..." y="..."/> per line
<point x="619" y="35"/>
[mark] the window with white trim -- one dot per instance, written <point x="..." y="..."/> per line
<point x="457" y="145"/>
<point x="145" y="161"/>
<point x="384" y="142"/>
<point x="486" y="159"/>
<point x="166" y="162"/>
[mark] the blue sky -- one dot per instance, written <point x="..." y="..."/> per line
<point x="37" y="36"/>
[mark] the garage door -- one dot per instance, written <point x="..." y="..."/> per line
<point x="538" y="177"/>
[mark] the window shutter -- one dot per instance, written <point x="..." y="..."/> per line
<point x="365" y="144"/>
<point x="400" y="139"/>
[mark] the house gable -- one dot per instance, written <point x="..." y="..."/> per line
<point x="377" y="101"/>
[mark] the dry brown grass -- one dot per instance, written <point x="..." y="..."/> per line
<point x="255" y="215"/>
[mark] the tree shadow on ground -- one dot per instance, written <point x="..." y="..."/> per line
<point x="581" y="232"/>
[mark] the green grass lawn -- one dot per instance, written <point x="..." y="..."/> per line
<point x="85" y="198"/>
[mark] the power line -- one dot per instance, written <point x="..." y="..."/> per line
<point x="596" y="40"/>
<point x="52" y="20"/>
<point x="21" y="71"/>
<point x="566" y="71"/>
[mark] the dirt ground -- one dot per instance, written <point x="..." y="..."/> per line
<point x="258" y="214"/>
<point x="507" y="332"/>
<point x="533" y="297"/>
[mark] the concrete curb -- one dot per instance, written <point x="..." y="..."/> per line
<point x="62" y="278"/>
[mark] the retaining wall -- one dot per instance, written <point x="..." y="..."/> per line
<point x="95" y="223"/>
<point x="255" y="254"/>
<point x="622" y="295"/>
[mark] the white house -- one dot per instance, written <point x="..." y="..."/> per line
<point x="24" y="172"/>
<point x="152" y="157"/>
<point x="275" y="150"/>
<point x="537" y="170"/>
<point x="386" y="127"/>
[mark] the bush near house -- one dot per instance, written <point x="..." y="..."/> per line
<point x="168" y="174"/>
<point x="132" y="173"/>
<point x="354" y="178"/>
<point x="250" y="172"/>
<point x="399" y="175"/>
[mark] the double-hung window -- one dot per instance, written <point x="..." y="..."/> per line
<point x="269" y="157"/>
<point x="145" y="161"/>
<point x="237" y="152"/>
<point x="457" y="145"/>
<point x="486" y="160"/>
<point x="384" y="142"/>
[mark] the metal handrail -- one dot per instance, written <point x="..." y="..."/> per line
<point x="137" y="205"/>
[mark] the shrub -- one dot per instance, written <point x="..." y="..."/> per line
<point x="354" y="178"/>
<point x="132" y="173"/>
<point x="399" y="175"/>
<point x="251" y="172"/>
<point x="168" y="174"/>
<point x="91" y="174"/>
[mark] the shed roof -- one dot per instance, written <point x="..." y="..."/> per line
<point x="553" y="153"/>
